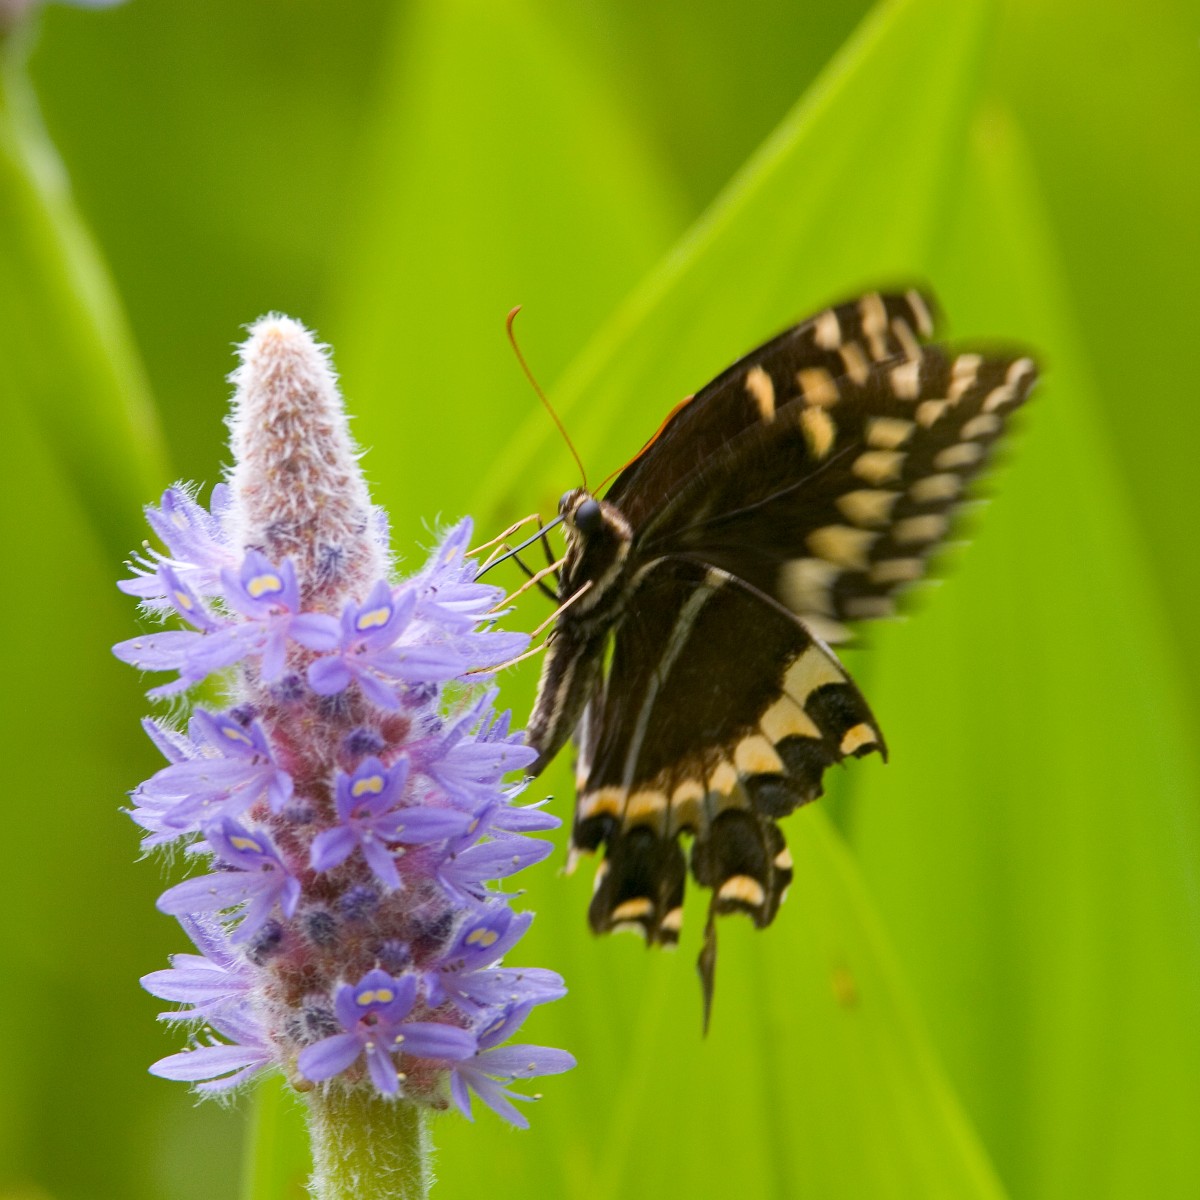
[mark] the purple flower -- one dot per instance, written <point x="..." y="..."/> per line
<point x="259" y="878"/>
<point x="197" y="548"/>
<point x="494" y="1065"/>
<point x="372" y="1013"/>
<point x="372" y="651"/>
<point x="371" y="822"/>
<point x="351" y="814"/>
<point x="229" y="769"/>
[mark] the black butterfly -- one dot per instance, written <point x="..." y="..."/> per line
<point x="801" y="489"/>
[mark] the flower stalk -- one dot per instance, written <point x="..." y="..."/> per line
<point x="350" y="805"/>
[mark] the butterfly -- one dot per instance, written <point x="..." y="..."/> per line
<point x="691" y="660"/>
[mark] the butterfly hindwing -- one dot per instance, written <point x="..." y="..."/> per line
<point x="710" y="733"/>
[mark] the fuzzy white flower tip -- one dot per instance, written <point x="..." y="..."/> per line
<point x="296" y="482"/>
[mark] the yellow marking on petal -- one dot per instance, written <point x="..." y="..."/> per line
<point x="934" y="488"/>
<point x="482" y="937"/>
<point x="868" y="506"/>
<point x="827" y="332"/>
<point x="368" y="785"/>
<point x="817" y="386"/>
<point x="240" y="842"/>
<point x="897" y="570"/>
<point x="262" y="585"/>
<point x="842" y="544"/>
<point x="724" y="779"/>
<point x="819" y="431"/>
<point x="963" y="454"/>
<point x="879" y="466"/>
<point x="183" y="600"/>
<point x="888" y="433"/>
<point x="632" y="910"/>
<point x="754" y="755"/>
<point x="234" y="734"/>
<point x="785" y="718"/>
<point x="742" y="889"/>
<point x="373" y="618"/>
<point x="855" y="362"/>
<point x="906" y="378"/>
<point x="379" y="995"/>
<point x="930" y="411"/>
<point x="809" y="672"/>
<point x="919" y="529"/>
<point x="856" y="737"/>
<point x="804" y="584"/>
<point x="762" y="392"/>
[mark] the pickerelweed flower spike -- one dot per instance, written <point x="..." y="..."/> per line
<point x="350" y="823"/>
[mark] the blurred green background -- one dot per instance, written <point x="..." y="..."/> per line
<point x="986" y="981"/>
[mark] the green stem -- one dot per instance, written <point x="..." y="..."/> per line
<point x="368" y="1148"/>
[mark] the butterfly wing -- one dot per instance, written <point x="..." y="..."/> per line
<point x="720" y="715"/>
<point x="833" y="496"/>
<point x="842" y="341"/>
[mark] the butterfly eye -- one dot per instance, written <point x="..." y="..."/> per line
<point x="587" y="517"/>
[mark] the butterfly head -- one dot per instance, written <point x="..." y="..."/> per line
<point x="598" y="541"/>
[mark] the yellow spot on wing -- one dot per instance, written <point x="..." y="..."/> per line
<point x="632" y="910"/>
<point x="934" y="488"/>
<point x="785" y="718"/>
<point x="868" y="506"/>
<point x="762" y="391"/>
<point x="819" y="431"/>
<point x="809" y="672"/>
<point x="929" y="411"/>
<point x="645" y="807"/>
<point x="897" y="570"/>
<point x="817" y="386"/>
<point x="879" y="466"/>
<point x="827" y="332"/>
<point x="906" y="378"/>
<point x="724" y="779"/>
<point x="964" y="454"/>
<point x="842" y="544"/>
<point x="983" y="425"/>
<point x="606" y="800"/>
<point x="888" y="433"/>
<point x="742" y="889"/>
<point x="919" y="529"/>
<point x="856" y="737"/>
<point x="804" y="584"/>
<point x="855" y="362"/>
<point x="754" y="755"/>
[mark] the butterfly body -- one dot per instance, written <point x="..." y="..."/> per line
<point x="800" y="491"/>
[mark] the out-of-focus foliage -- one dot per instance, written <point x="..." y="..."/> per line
<point x="986" y="981"/>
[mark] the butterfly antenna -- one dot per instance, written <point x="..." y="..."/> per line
<point x="515" y="550"/>
<point x="512" y="337"/>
